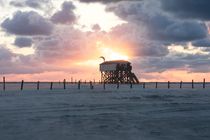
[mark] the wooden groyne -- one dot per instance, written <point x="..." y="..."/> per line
<point x="23" y="85"/>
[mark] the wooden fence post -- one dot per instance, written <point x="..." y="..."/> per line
<point x="79" y="83"/>
<point x="118" y="85"/>
<point x="144" y="85"/>
<point x="21" y="87"/>
<point x="131" y="85"/>
<point x="38" y="85"/>
<point x="181" y="84"/>
<point x="64" y="84"/>
<point x="192" y="84"/>
<point x="91" y="85"/>
<point x="104" y="85"/>
<point x="168" y="84"/>
<point x="51" y="85"/>
<point x="4" y="83"/>
<point x="204" y="83"/>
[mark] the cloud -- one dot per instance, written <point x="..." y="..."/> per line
<point x="36" y="4"/>
<point x="186" y="31"/>
<point x="105" y="1"/>
<point x="96" y="27"/>
<point x="17" y="3"/>
<point x="66" y="15"/>
<point x="23" y="42"/>
<point x="202" y="43"/>
<point x="194" y="9"/>
<point x="27" y="23"/>
<point x="157" y="25"/>
<point x="5" y="54"/>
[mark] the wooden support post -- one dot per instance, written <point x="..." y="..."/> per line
<point x="64" y="84"/>
<point x="104" y="85"/>
<point x="131" y="85"/>
<point x="156" y="85"/>
<point x="51" y="85"/>
<point x="144" y="85"/>
<point x="118" y="85"/>
<point x="204" y="83"/>
<point x="192" y="84"/>
<point x="38" y="85"/>
<point x="79" y="85"/>
<point x="168" y="84"/>
<point x="21" y="87"/>
<point x="91" y="85"/>
<point x="181" y="85"/>
<point x="4" y="83"/>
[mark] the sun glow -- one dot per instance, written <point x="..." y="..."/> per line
<point x="110" y="53"/>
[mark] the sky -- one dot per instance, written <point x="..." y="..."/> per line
<point x="51" y="40"/>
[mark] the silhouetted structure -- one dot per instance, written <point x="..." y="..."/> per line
<point x="118" y="71"/>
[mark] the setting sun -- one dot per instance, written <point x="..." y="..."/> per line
<point x="110" y="53"/>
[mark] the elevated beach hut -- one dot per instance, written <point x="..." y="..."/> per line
<point x="117" y="71"/>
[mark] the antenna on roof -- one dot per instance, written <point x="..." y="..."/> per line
<point x="103" y="58"/>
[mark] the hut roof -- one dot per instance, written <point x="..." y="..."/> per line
<point x="115" y="62"/>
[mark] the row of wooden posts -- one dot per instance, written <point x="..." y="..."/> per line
<point x="104" y="85"/>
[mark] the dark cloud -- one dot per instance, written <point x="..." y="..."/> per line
<point x="158" y="25"/>
<point x="17" y="3"/>
<point x="196" y="9"/>
<point x="202" y="43"/>
<point x="27" y="23"/>
<point x="105" y="1"/>
<point x="96" y="27"/>
<point x="186" y="31"/>
<point x="33" y="3"/>
<point x="23" y="42"/>
<point x="37" y="4"/>
<point x="189" y="62"/>
<point x="66" y="15"/>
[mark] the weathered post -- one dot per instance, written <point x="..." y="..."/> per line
<point x="131" y="85"/>
<point x="79" y="85"/>
<point x="156" y="85"/>
<point x="51" y="85"/>
<point x="38" y="85"/>
<point x="21" y="87"/>
<point x="104" y="85"/>
<point x="4" y="84"/>
<point x="181" y="85"/>
<point x="144" y="85"/>
<point x="118" y="85"/>
<point x="168" y="84"/>
<point x="204" y="83"/>
<point x="64" y="84"/>
<point x="91" y="85"/>
<point x="192" y="84"/>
